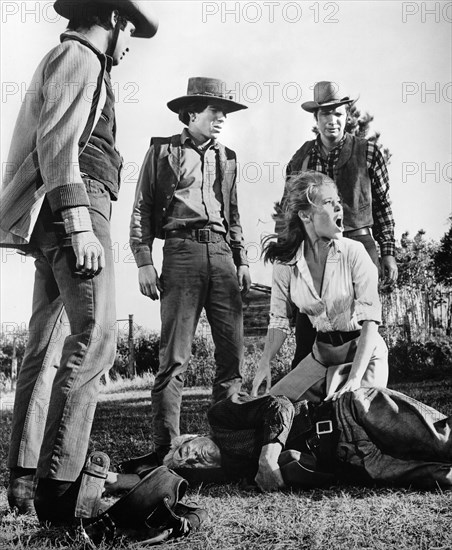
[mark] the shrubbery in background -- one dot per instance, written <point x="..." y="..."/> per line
<point x="6" y="349"/>
<point x="408" y="361"/>
<point x="414" y="361"/>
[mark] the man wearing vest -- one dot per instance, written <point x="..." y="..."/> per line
<point x="63" y="172"/>
<point x="187" y="195"/>
<point x="359" y="170"/>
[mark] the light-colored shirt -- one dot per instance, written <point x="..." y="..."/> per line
<point x="349" y="294"/>
<point x="197" y="201"/>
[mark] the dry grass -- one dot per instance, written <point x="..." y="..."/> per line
<point x="341" y="518"/>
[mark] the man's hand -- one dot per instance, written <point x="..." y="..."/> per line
<point x="269" y="476"/>
<point x="89" y="253"/>
<point x="149" y="282"/>
<point x="389" y="271"/>
<point x="263" y="374"/>
<point x="244" y="279"/>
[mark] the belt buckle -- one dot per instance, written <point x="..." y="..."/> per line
<point x="324" y="427"/>
<point x="203" y="235"/>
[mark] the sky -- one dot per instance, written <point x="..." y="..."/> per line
<point x="396" y="56"/>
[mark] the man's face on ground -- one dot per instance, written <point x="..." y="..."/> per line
<point x="122" y="45"/>
<point x="331" y="122"/>
<point x="209" y="123"/>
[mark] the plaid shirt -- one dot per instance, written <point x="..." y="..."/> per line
<point x="241" y="425"/>
<point x="383" y="228"/>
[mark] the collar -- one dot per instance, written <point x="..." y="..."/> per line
<point x="186" y="136"/>
<point x="336" y="246"/>
<point x="79" y="37"/>
<point x="319" y="144"/>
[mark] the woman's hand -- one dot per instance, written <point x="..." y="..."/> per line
<point x="263" y="374"/>
<point x="351" y="385"/>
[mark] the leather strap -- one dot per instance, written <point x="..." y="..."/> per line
<point x="203" y="235"/>
<point x="323" y="441"/>
<point x="337" y="337"/>
<point x="358" y="232"/>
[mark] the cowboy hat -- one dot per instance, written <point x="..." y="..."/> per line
<point x="326" y="94"/>
<point x="212" y="89"/>
<point x="146" y="23"/>
<point x="299" y="470"/>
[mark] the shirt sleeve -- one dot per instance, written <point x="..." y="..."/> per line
<point x="141" y="234"/>
<point x="76" y="219"/>
<point x="235" y="228"/>
<point x="280" y="304"/>
<point x="365" y="283"/>
<point x="383" y="227"/>
<point x="242" y="425"/>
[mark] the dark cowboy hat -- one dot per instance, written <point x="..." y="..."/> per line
<point x="212" y="89"/>
<point x="299" y="470"/>
<point x="326" y="94"/>
<point x="145" y="21"/>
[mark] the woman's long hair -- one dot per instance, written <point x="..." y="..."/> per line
<point x="300" y="194"/>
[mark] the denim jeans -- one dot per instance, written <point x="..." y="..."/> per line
<point x="195" y="276"/>
<point x="72" y="335"/>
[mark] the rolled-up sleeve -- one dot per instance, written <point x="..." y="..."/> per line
<point x="365" y="282"/>
<point x="281" y="305"/>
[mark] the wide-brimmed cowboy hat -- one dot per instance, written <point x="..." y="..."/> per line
<point x="213" y="89"/>
<point x="299" y="470"/>
<point x="326" y="94"/>
<point x="139" y="12"/>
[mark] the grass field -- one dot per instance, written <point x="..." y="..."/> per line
<point x="343" y="517"/>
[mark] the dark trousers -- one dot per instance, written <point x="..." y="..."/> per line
<point x="195" y="276"/>
<point x="305" y="333"/>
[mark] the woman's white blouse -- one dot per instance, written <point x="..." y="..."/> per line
<point x="349" y="294"/>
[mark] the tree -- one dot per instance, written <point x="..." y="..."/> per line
<point x="442" y="259"/>
<point x="415" y="261"/>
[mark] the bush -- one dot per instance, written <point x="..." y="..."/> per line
<point x="6" y="349"/>
<point x="408" y="361"/>
<point x="414" y="361"/>
<point x="202" y="367"/>
<point x="146" y="348"/>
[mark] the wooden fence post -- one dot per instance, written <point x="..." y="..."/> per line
<point x="131" y="366"/>
<point x="14" y="365"/>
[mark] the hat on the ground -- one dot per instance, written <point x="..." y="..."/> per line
<point x="299" y="470"/>
<point x="326" y="94"/>
<point x="139" y="12"/>
<point x="212" y="89"/>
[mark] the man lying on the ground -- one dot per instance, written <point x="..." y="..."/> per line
<point x="370" y="434"/>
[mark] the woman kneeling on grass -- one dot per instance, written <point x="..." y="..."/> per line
<point x="333" y="280"/>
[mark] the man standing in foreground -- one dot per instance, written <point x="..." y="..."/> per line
<point x="359" y="171"/>
<point x="187" y="195"/>
<point x="63" y="172"/>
